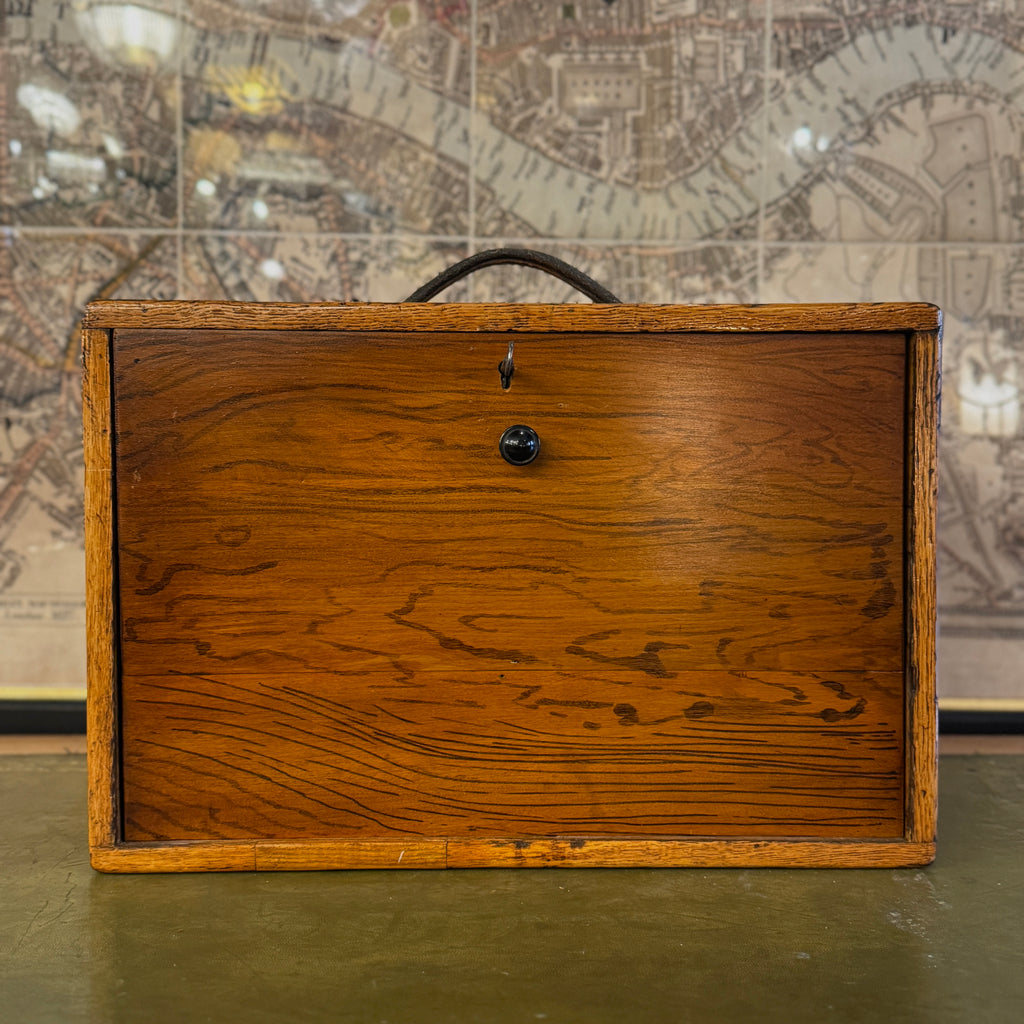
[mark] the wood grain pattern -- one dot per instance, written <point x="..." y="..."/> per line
<point x="487" y="317"/>
<point x="710" y="542"/>
<point x="101" y="608"/>
<point x="146" y="858"/>
<point x="333" y="524"/>
<point x="674" y="853"/>
<point x="698" y="630"/>
<point x="323" y="854"/>
<point x="316" y="855"/>
<point x="704" y="754"/>
<point x="924" y="388"/>
<point x="572" y="852"/>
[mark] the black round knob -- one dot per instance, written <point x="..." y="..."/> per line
<point x="519" y="445"/>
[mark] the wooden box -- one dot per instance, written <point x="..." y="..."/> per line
<point x="331" y="627"/>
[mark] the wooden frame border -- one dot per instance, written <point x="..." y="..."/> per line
<point x="924" y="387"/>
<point x="473" y="317"/>
<point x="101" y="614"/>
<point x="575" y="852"/>
<point x="109" y="852"/>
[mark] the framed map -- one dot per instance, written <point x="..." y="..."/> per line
<point x="685" y="151"/>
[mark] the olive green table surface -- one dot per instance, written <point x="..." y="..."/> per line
<point x="944" y="943"/>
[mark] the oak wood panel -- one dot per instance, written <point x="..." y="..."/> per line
<point x="351" y="853"/>
<point x="728" y="501"/>
<point x="320" y="854"/>
<point x="101" y="606"/>
<point x="638" y="853"/>
<point x="924" y="391"/>
<point x="145" y="858"/>
<point x="513" y="754"/>
<point x="691" y="703"/>
<point x="529" y="317"/>
<point x="236" y="855"/>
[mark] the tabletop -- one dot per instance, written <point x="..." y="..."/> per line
<point x="942" y="943"/>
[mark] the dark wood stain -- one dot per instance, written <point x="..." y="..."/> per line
<point x="343" y="615"/>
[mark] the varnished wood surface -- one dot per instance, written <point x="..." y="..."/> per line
<point x="604" y="852"/>
<point x="924" y="392"/>
<point x="571" y="852"/>
<point x="354" y="514"/>
<point x="267" y="855"/>
<point x="101" y="607"/>
<point x="447" y="317"/>
<point x="686" y="617"/>
<point x="770" y="754"/>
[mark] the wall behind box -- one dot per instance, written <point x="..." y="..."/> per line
<point x="681" y="151"/>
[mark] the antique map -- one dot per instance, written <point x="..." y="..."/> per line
<point x="678" y="150"/>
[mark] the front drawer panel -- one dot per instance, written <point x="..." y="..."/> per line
<point x="343" y="615"/>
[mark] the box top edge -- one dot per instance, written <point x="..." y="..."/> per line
<point x="476" y="317"/>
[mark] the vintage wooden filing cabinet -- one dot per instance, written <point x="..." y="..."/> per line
<point x="330" y="626"/>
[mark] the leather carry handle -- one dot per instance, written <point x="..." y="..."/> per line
<point x="524" y="257"/>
